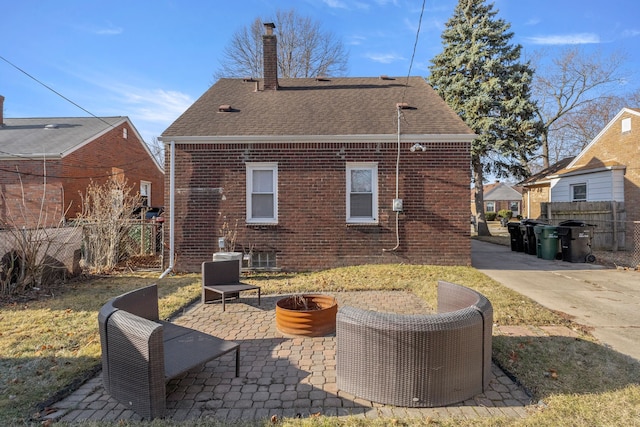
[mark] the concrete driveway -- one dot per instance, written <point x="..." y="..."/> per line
<point x="606" y="300"/>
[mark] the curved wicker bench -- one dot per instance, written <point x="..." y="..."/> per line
<point x="417" y="360"/>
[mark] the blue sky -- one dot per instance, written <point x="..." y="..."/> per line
<point x="150" y="60"/>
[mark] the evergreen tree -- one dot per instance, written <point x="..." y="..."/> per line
<point x="480" y="76"/>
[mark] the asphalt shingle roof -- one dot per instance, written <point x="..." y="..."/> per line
<point x="30" y="137"/>
<point x="335" y="106"/>
<point x="502" y="192"/>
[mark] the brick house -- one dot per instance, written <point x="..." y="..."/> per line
<point x="499" y="196"/>
<point x="307" y="171"/>
<point x="607" y="169"/>
<point x="46" y="163"/>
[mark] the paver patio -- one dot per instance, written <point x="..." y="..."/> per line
<point x="281" y="375"/>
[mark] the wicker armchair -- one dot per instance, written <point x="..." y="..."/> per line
<point x="140" y="353"/>
<point x="417" y="360"/>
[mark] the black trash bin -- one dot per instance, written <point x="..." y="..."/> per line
<point x="517" y="244"/>
<point x="529" y="244"/>
<point x="575" y="241"/>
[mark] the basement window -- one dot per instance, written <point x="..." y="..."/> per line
<point x="263" y="260"/>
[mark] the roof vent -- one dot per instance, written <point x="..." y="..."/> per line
<point x="404" y="106"/>
<point x="322" y="79"/>
<point x="225" y="108"/>
<point x="51" y="126"/>
<point x="385" y="77"/>
<point x="248" y="79"/>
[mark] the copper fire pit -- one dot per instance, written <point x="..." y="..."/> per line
<point x="308" y="315"/>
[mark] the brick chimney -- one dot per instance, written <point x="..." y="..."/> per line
<point x="1" y="111"/>
<point x="270" y="57"/>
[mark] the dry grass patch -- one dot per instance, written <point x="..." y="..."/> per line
<point x="52" y="343"/>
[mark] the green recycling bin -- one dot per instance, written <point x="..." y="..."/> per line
<point x="547" y="239"/>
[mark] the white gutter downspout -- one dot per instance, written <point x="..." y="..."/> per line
<point x="395" y="248"/>
<point x="172" y="183"/>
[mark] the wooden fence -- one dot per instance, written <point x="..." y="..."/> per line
<point x="609" y="218"/>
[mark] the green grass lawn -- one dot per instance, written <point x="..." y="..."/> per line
<point x="49" y="345"/>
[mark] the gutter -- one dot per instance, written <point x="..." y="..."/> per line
<point x="172" y="183"/>
<point x="371" y="138"/>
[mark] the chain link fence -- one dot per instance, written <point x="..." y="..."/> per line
<point x="131" y="243"/>
<point x="41" y="256"/>
<point x="142" y="245"/>
<point x="36" y="258"/>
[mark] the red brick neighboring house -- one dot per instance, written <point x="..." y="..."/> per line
<point x="499" y="196"/>
<point x="309" y="169"/>
<point x="46" y="163"/>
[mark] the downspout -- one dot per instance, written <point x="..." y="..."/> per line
<point x="397" y="192"/>
<point x="172" y="221"/>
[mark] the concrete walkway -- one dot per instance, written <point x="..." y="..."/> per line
<point x="606" y="300"/>
<point x="283" y="376"/>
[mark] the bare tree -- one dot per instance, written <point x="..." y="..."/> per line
<point x="304" y="50"/>
<point x="33" y="240"/>
<point x="105" y="217"/>
<point x="574" y="83"/>
<point x="574" y="130"/>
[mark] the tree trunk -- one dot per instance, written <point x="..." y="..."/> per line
<point x="545" y="149"/>
<point x="483" y="229"/>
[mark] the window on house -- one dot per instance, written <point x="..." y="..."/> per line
<point x="263" y="260"/>
<point x="262" y="193"/>
<point x="124" y="133"/>
<point x="491" y="206"/>
<point x="145" y="193"/>
<point x="579" y="192"/>
<point x="626" y="125"/>
<point x="362" y="193"/>
<point x="515" y="208"/>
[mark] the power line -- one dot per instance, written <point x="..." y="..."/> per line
<point x="415" y="47"/>
<point x="73" y="103"/>
<point x="53" y="90"/>
<point x="37" y="175"/>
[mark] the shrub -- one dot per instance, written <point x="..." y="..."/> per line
<point x="505" y="213"/>
<point x="490" y="216"/>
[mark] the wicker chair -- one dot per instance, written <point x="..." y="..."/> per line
<point x="417" y="360"/>
<point x="140" y="353"/>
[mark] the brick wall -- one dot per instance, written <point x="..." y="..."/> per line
<point x="97" y="160"/>
<point x="312" y="232"/>
<point x="532" y="198"/>
<point x="26" y="198"/>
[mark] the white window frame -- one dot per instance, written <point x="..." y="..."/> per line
<point x="146" y="185"/>
<point x="262" y="166"/>
<point x="572" y="188"/>
<point x="626" y="125"/>
<point x="373" y="167"/>
<point x="517" y="207"/>
<point x="491" y="206"/>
